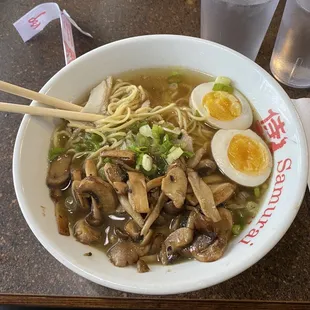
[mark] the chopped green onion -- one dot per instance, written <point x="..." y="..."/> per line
<point x="257" y="192"/>
<point x="223" y="80"/>
<point x="175" y="77"/>
<point x="188" y="154"/>
<point x="174" y="155"/>
<point x="95" y="138"/>
<point x="147" y="162"/>
<point x="135" y="126"/>
<point x="221" y="87"/>
<point x="236" y="229"/>
<point x="139" y="160"/>
<point x="146" y="131"/>
<point x="158" y="132"/>
<point x="55" y="152"/>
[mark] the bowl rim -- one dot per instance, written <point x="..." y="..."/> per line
<point x="192" y="285"/>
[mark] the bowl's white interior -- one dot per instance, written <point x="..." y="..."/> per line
<point x="30" y="163"/>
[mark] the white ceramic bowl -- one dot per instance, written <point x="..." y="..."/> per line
<point x="282" y="201"/>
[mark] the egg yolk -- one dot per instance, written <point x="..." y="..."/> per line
<point x="222" y="105"/>
<point x="247" y="155"/>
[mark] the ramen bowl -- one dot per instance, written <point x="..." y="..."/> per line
<point x="279" y="123"/>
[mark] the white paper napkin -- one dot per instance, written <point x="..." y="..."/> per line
<point x="303" y="109"/>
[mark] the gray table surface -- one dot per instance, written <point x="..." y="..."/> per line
<point x="25" y="266"/>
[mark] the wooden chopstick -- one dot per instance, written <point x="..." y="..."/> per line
<point x="42" y="98"/>
<point x="69" y="115"/>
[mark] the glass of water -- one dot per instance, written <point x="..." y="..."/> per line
<point x="290" y="61"/>
<point x="238" y="24"/>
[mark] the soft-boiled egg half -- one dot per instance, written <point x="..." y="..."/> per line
<point x="242" y="156"/>
<point x="221" y="109"/>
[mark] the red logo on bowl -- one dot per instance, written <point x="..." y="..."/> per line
<point x="274" y="127"/>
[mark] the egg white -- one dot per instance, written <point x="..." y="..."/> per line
<point x="243" y="121"/>
<point x="219" y="148"/>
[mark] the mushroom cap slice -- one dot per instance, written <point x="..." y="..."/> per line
<point x="62" y="219"/>
<point x="125" y="253"/>
<point x="222" y="192"/>
<point x="154" y="183"/>
<point x="82" y="201"/>
<point x="126" y="156"/>
<point x="114" y="173"/>
<point x="206" y="167"/>
<point x="142" y="266"/>
<point x="101" y="191"/>
<point x="86" y="234"/>
<point x="133" y="230"/>
<point x="204" y="195"/>
<point x="174" y="185"/>
<point x="176" y="241"/>
<point x="137" y="194"/>
<point x="194" y="161"/>
<point x="59" y="172"/>
<point x="210" y="248"/>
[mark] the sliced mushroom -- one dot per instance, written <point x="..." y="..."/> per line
<point x="211" y="246"/>
<point x="147" y="238"/>
<point x="153" y="196"/>
<point x="194" y="161"/>
<point x="204" y="195"/>
<point x="222" y="192"/>
<point x="206" y="167"/>
<point x="154" y="214"/>
<point x="62" y="219"/>
<point x="122" y="235"/>
<point x="175" y="223"/>
<point x="128" y="157"/>
<point x="125" y="253"/>
<point x="121" y="188"/>
<point x="180" y="162"/>
<point x="154" y="183"/>
<point x="142" y="266"/>
<point x="103" y="198"/>
<point x="203" y="224"/>
<point x="137" y="194"/>
<point x="191" y="220"/>
<point x="128" y="208"/>
<point x="114" y="173"/>
<point x="76" y="175"/>
<point x="90" y="168"/>
<point x="82" y="201"/>
<point x="169" y="208"/>
<point x="179" y="239"/>
<point x="59" y="172"/>
<point x="158" y="240"/>
<point x="175" y="242"/>
<point x="86" y="234"/>
<point x="174" y="185"/>
<point x="133" y="230"/>
<point x="95" y="217"/>
<point x="214" y="178"/>
<point x="191" y="199"/>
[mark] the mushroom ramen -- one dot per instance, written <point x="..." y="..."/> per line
<point x="172" y="171"/>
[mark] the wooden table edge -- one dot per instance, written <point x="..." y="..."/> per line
<point x="146" y="303"/>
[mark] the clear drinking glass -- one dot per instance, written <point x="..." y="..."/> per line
<point x="290" y="61"/>
<point x="238" y="24"/>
